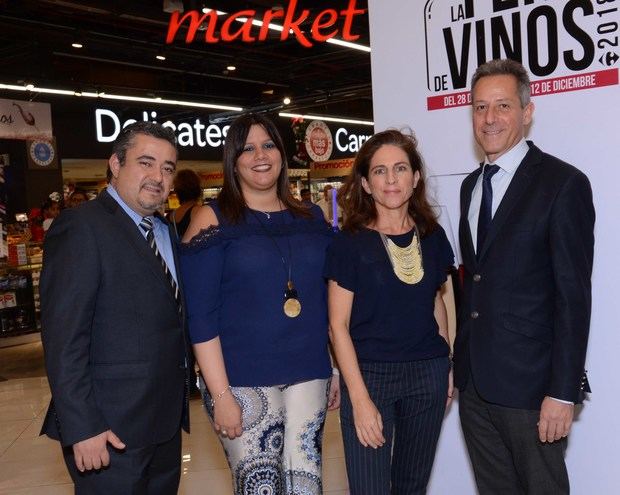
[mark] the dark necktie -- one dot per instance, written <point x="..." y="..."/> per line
<point x="484" y="217"/>
<point x="147" y="225"/>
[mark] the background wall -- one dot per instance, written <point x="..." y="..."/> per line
<point x="423" y="56"/>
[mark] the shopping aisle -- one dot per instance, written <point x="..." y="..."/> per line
<point x="32" y="465"/>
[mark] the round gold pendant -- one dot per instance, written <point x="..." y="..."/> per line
<point x="292" y="307"/>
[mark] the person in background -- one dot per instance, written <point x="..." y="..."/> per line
<point x="527" y="240"/>
<point x="306" y="197"/>
<point x="387" y="320"/>
<point x="325" y="202"/>
<point x="257" y="316"/>
<point x="189" y="191"/>
<point x="50" y="209"/>
<point x="77" y="197"/>
<point x="113" y="327"/>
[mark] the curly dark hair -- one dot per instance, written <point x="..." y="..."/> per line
<point x="359" y="207"/>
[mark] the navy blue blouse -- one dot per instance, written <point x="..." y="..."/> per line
<point x="390" y="320"/>
<point x="234" y="282"/>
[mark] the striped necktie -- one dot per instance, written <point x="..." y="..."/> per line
<point x="146" y="224"/>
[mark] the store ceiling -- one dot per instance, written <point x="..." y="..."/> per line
<point x="122" y="38"/>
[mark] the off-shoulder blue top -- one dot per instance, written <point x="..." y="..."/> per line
<point x="234" y="282"/>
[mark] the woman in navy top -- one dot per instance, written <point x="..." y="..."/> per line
<point x="388" y="322"/>
<point x="257" y="314"/>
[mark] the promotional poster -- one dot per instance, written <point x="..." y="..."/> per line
<point x="570" y="49"/>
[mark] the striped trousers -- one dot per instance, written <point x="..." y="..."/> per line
<point x="411" y="398"/>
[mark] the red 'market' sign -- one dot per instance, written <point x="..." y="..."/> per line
<point x="323" y="25"/>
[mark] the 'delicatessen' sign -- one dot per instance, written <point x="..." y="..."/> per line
<point x="87" y="130"/>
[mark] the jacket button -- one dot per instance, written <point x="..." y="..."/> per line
<point x="477" y="277"/>
<point x="475" y="314"/>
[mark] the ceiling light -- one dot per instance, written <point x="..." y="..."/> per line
<point x="78" y="41"/>
<point x="342" y="120"/>
<point x="12" y="87"/>
<point x="101" y="94"/>
<point x="53" y="91"/>
<point x="286" y="100"/>
<point x="206" y="10"/>
<point x="231" y="67"/>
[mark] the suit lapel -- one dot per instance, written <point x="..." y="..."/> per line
<point x="129" y="230"/>
<point x="467" y="244"/>
<point x="518" y="185"/>
<point x="174" y="241"/>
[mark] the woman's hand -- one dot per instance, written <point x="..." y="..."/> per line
<point x="450" y="388"/>
<point x="227" y="416"/>
<point x="333" y="397"/>
<point x="368" y="423"/>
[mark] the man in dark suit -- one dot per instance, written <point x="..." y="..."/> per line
<point x="526" y="237"/>
<point x="113" y="331"/>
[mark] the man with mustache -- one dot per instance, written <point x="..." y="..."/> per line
<point x="113" y="327"/>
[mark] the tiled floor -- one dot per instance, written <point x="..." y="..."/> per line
<point x="33" y="465"/>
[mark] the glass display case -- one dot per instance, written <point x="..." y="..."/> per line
<point x="19" y="309"/>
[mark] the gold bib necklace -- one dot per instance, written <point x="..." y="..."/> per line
<point x="406" y="261"/>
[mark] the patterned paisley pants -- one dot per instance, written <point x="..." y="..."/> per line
<point x="279" y="452"/>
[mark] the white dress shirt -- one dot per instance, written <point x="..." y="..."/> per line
<point x="508" y="164"/>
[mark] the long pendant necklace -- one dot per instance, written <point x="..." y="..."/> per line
<point x="406" y="261"/>
<point x="291" y="306"/>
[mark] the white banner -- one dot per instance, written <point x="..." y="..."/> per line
<point x="423" y="56"/>
<point x="25" y="120"/>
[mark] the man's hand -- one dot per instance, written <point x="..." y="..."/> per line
<point x="92" y="453"/>
<point x="555" y="420"/>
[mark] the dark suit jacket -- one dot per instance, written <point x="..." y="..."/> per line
<point x="115" y="343"/>
<point x="525" y="313"/>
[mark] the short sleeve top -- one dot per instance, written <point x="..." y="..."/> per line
<point x="234" y="283"/>
<point x="391" y="321"/>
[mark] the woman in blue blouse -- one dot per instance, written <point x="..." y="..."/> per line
<point x="257" y="313"/>
<point x="388" y="322"/>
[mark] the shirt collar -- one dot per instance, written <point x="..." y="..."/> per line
<point x="137" y="218"/>
<point x="510" y="161"/>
